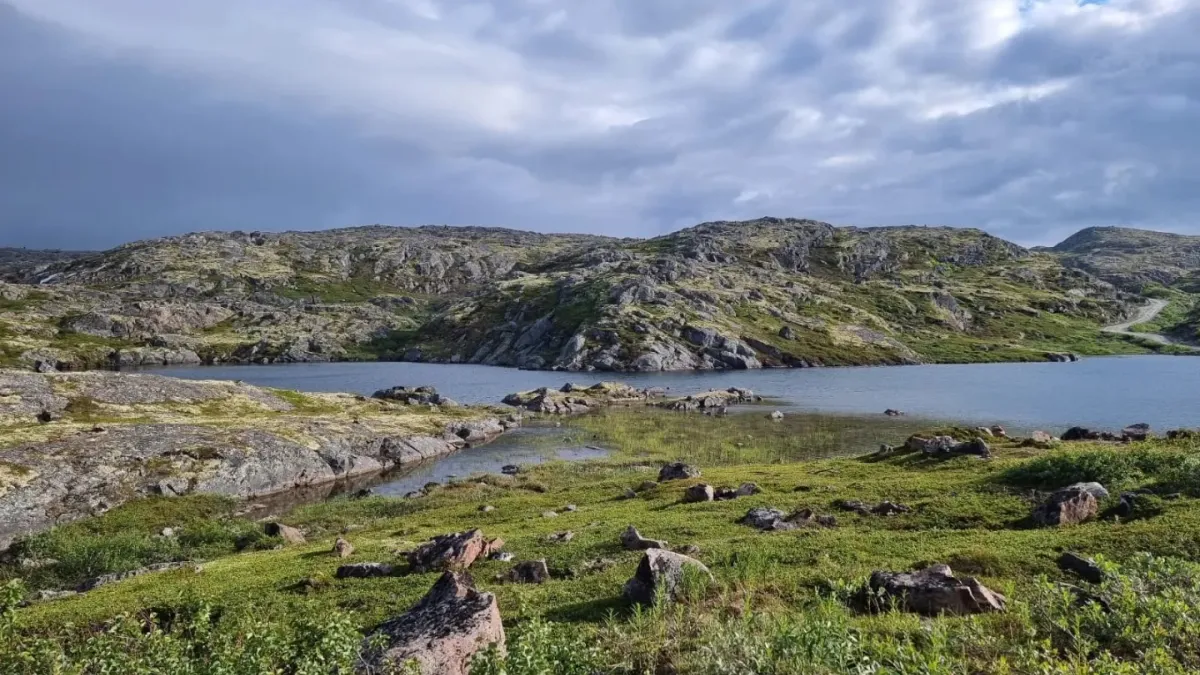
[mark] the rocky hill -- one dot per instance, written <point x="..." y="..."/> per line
<point x="769" y="292"/>
<point x="1133" y="258"/>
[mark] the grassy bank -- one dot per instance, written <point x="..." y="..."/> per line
<point x="778" y="605"/>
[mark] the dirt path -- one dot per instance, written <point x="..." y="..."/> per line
<point x="1147" y="313"/>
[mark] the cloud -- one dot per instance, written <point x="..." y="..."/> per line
<point x="1031" y="118"/>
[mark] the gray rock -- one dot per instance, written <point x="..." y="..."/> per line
<point x="930" y="592"/>
<point x="1067" y="507"/>
<point x="290" y="535"/>
<point x="530" y="572"/>
<point x="1094" y="489"/>
<point x="632" y="540"/>
<point x="365" y="570"/>
<point x="661" y="574"/>
<point x="455" y="551"/>
<point x="698" y="493"/>
<point x="441" y="634"/>
<point x="677" y="471"/>
<point x="560" y="537"/>
<point x="1084" y="567"/>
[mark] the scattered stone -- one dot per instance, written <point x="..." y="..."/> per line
<point x="677" y="471"/>
<point x="690" y="550"/>
<point x="701" y="492"/>
<point x="885" y="450"/>
<point x="501" y="556"/>
<point x="1042" y="437"/>
<point x="290" y="535"/>
<point x="570" y="508"/>
<point x="853" y="506"/>
<point x="365" y="570"/>
<point x="597" y="565"/>
<point x="510" y="469"/>
<point x="632" y="540"/>
<point x="549" y="514"/>
<point x="1067" y="507"/>
<point x="452" y="551"/>
<point x="48" y="595"/>
<point x="776" y="416"/>
<point x="999" y="432"/>
<point x="167" y="532"/>
<point x="661" y="574"/>
<point x="561" y="537"/>
<point x="1086" y="568"/>
<point x="892" y="412"/>
<point x="747" y="490"/>
<point x="414" y="396"/>
<point x="647" y="485"/>
<point x="343" y="548"/>
<point x="487" y="508"/>
<point x="946" y="445"/>
<point x="930" y="592"/>
<point x="1095" y="489"/>
<point x="530" y="572"/>
<point x="441" y="634"/>
<point x="764" y="518"/>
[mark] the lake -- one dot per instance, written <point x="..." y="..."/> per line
<point x="1107" y="393"/>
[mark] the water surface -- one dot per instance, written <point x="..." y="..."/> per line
<point x="1110" y="392"/>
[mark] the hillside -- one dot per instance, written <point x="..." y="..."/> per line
<point x="769" y="292"/>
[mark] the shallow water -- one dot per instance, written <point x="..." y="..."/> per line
<point x="1110" y="392"/>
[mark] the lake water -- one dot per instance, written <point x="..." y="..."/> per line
<point x="1106" y="393"/>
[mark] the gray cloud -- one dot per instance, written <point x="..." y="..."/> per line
<point x="131" y="118"/>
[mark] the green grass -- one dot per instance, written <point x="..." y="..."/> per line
<point x="778" y="604"/>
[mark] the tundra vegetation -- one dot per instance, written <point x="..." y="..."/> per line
<point x="787" y="599"/>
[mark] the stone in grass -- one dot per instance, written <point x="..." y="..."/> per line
<point x="343" y="548"/>
<point x="647" y="485"/>
<point x="701" y="492"/>
<point x="560" y="537"/>
<point x="570" y="508"/>
<point x="1086" y="568"/>
<point x="440" y="635"/>
<point x="452" y="551"/>
<point x="677" y="471"/>
<point x="289" y="535"/>
<point x="1067" y="507"/>
<point x="930" y="592"/>
<point x="501" y="556"/>
<point x="487" y="508"/>
<point x="549" y="514"/>
<point x="661" y="574"/>
<point x="529" y="572"/>
<point x="366" y="570"/>
<point x="776" y="416"/>
<point x="632" y="540"/>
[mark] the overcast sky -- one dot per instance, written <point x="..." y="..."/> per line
<point x="125" y="119"/>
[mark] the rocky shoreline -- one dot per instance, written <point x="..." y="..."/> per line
<point x="79" y="444"/>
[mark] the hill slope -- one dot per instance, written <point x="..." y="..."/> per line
<point x="769" y="292"/>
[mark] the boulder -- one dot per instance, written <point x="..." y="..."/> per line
<point x="452" y="551"/>
<point x="776" y="416"/>
<point x="365" y="570"/>
<point x="343" y="548"/>
<point x="764" y="518"/>
<point x="930" y="592"/>
<point x="1136" y="432"/>
<point x="998" y="431"/>
<point x="1066" y="507"/>
<point x="886" y="508"/>
<point x="529" y="572"/>
<point x="698" y="493"/>
<point x="1043" y="438"/>
<point x="1095" y="489"/>
<point x="632" y="540"/>
<point x="441" y="634"/>
<point x="1086" y="568"/>
<point x="290" y="535"/>
<point x="562" y="537"/>
<point x="660" y="574"/>
<point x="677" y="471"/>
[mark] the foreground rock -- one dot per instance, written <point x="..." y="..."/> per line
<point x="661" y="574"/>
<point x="456" y="551"/>
<point x="167" y="436"/>
<point x="1069" y="506"/>
<point x="441" y="634"/>
<point x="930" y="592"/>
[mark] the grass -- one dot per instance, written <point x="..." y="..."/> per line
<point x="778" y="605"/>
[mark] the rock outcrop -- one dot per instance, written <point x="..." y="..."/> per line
<point x="441" y="634"/>
<point x="166" y="436"/>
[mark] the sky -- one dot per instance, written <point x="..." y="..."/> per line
<point x="127" y="119"/>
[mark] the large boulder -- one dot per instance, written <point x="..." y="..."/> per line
<point x="677" y="471"/>
<point x="441" y="634"/>
<point x="930" y="592"/>
<point x="661" y="572"/>
<point x="1068" y="506"/>
<point x="452" y="551"/>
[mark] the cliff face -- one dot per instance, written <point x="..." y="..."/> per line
<point x="767" y="292"/>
